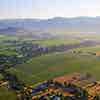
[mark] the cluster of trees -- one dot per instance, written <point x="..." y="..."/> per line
<point x="8" y="61"/>
<point x="16" y="85"/>
<point x="27" y="49"/>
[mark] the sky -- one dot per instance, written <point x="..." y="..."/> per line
<point x="48" y="8"/>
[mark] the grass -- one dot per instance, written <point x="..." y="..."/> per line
<point x="6" y="48"/>
<point x="56" y="64"/>
<point x="1" y="77"/>
<point x="56" y="42"/>
<point x="6" y="94"/>
<point x="89" y="49"/>
<point x="8" y="52"/>
<point x="53" y="65"/>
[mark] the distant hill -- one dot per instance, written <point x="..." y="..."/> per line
<point x="25" y="32"/>
<point x="58" y="24"/>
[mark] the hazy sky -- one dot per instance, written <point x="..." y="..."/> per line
<point x="48" y="8"/>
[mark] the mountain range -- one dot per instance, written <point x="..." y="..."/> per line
<point x="32" y="27"/>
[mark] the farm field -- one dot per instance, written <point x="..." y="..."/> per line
<point x="57" y="64"/>
<point x="56" y="42"/>
<point x="46" y="65"/>
<point x="54" y="64"/>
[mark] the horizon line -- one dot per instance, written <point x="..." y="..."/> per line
<point x="46" y="18"/>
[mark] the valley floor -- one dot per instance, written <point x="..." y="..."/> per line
<point x="50" y="60"/>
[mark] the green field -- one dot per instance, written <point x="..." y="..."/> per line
<point x="53" y="65"/>
<point x="6" y="94"/>
<point x="49" y="66"/>
<point x="54" y="42"/>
